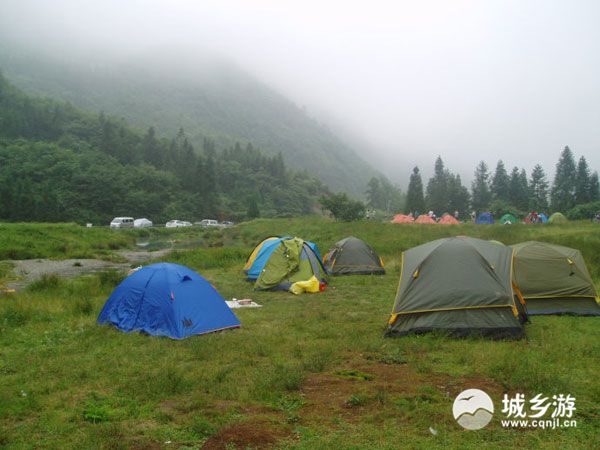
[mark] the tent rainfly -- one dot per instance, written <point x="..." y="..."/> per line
<point x="457" y="285"/>
<point x="554" y="280"/>
<point x="353" y="256"/>
<point x="167" y="300"/>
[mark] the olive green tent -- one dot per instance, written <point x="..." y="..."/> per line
<point x="554" y="279"/>
<point x="459" y="285"/>
<point x="293" y="265"/>
<point x="508" y="218"/>
<point x="557" y="218"/>
<point x="352" y="256"/>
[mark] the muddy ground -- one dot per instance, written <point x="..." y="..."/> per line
<point x="30" y="270"/>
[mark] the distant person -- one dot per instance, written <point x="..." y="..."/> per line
<point x="473" y="216"/>
<point x="456" y="215"/>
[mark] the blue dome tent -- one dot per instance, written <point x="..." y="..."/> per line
<point x="167" y="300"/>
<point x="485" y="218"/>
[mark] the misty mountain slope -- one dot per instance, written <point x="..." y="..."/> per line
<point x="213" y="99"/>
<point x="59" y="163"/>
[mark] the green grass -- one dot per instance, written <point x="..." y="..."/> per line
<point x="312" y="370"/>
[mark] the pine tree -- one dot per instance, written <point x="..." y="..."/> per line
<point x="415" y="201"/>
<point x="152" y="150"/>
<point x="437" y="189"/>
<point x="538" y="190"/>
<point x="582" y="182"/>
<point x="374" y="194"/>
<point x="563" y="188"/>
<point x="594" y="194"/>
<point x="458" y="196"/>
<point x="518" y="190"/>
<point x="253" y="211"/>
<point x="523" y="197"/>
<point x="500" y="183"/>
<point x="481" y="195"/>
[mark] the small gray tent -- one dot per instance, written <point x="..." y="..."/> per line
<point x="352" y="256"/>
<point x="458" y="285"/>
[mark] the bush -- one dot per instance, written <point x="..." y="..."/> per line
<point x="343" y="208"/>
<point x="585" y="211"/>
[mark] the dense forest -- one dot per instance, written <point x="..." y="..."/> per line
<point x="209" y="98"/>
<point x="575" y="190"/>
<point x="58" y="163"/>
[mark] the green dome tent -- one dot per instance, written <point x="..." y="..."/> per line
<point x="286" y="263"/>
<point x="557" y="217"/>
<point x="554" y="279"/>
<point x="459" y="285"/>
<point x="352" y="256"/>
<point x="508" y="218"/>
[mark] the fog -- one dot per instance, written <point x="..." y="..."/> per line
<point x="401" y="81"/>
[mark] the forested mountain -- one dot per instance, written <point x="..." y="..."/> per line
<point x="209" y="99"/>
<point x="58" y="163"/>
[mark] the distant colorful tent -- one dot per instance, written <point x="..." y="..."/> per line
<point x="353" y="256"/>
<point x="459" y="285"/>
<point x="543" y="217"/>
<point x="485" y="218"/>
<point x="425" y="219"/>
<point x="286" y="263"/>
<point x="402" y="218"/>
<point x="557" y="217"/>
<point x="508" y="218"/>
<point x="448" y="219"/>
<point x="533" y="217"/>
<point x="554" y="279"/>
<point x="167" y="300"/>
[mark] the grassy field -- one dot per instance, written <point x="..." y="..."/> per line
<point x="303" y="372"/>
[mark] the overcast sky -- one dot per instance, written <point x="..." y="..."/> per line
<point x="467" y="80"/>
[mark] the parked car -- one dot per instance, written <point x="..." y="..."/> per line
<point x="209" y="223"/>
<point x="122" y="222"/>
<point x="177" y="224"/>
<point x="227" y="223"/>
<point x="142" y="223"/>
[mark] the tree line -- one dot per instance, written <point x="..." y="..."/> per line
<point x="574" y="185"/>
<point x="58" y="163"/>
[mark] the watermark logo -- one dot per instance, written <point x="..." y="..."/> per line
<point x="473" y="409"/>
<point x="541" y="411"/>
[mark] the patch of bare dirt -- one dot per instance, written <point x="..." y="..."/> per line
<point x="30" y="270"/>
<point x="255" y="434"/>
<point x="332" y="394"/>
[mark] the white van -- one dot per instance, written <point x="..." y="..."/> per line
<point x="122" y="222"/>
<point x="209" y="223"/>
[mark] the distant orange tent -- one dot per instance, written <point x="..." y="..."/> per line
<point x="401" y="218"/>
<point x="448" y="219"/>
<point x="424" y="218"/>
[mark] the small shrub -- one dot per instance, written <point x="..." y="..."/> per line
<point x="202" y="428"/>
<point x="393" y="358"/>
<point x="84" y="307"/>
<point x="354" y="375"/>
<point x="45" y="283"/>
<point x="96" y="410"/>
<point x="355" y="400"/>
<point x="110" y="278"/>
<point x="14" y="317"/>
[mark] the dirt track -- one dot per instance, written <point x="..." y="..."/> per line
<point x="29" y="270"/>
